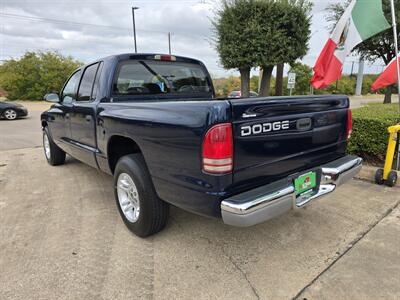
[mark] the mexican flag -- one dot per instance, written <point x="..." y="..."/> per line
<point x="388" y="76"/>
<point x="361" y="20"/>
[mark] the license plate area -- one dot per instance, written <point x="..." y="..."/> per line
<point x="305" y="186"/>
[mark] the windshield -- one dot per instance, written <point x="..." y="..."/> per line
<point x="159" y="77"/>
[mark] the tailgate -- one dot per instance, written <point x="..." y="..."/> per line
<point x="278" y="136"/>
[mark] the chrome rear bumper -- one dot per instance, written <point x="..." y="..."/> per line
<point x="267" y="202"/>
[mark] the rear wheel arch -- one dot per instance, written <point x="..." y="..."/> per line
<point x="119" y="146"/>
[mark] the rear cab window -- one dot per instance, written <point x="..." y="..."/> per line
<point x="87" y="82"/>
<point x="158" y="78"/>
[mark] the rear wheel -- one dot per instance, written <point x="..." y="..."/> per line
<point x="10" y="114"/>
<point x="138" y="204"/>
<point x="54" y="155"/>
<point x="392" y="179"/>
<point x="379" y="177"/>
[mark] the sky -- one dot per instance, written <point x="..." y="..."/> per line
<point x="89" y="29"/>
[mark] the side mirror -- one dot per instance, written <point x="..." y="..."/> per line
<point x="52" y="97"/>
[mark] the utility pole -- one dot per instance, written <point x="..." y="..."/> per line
<point x="352" y="68"/>
<point x="134" y="26"/>
<point x="169" y="42"/>
<point x="360" y="76"/>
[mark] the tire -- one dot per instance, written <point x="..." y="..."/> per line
<point x="146" y="214"/>
<point x="54" y="155"/>
<point x="10" y="114"/>
<point x="392" y="179"/>
<point x="379" y="177"/>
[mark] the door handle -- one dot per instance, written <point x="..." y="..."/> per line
<point x="88" y="118"/>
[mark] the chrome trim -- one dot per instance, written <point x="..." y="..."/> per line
<point x="238" y="213"/>
<point x="248" y="207"/>
<point x="323" y="190"/>
<point x="244" y="115"/>
<point x="331" y="174"/>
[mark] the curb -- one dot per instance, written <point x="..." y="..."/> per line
<point x="367" y="173"/>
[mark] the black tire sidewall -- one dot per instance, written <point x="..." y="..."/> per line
<point x="379" y="177"/>
<point x="134" y="166"/>
<point x="57" y="156"/>
<point x="392" y="179"/>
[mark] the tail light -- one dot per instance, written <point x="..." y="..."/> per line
<point x="349" y="128"/>
<point x="165" y="57"/>
<point x="218" y="149"/>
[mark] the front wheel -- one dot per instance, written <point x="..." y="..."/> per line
<point x="10" y="114"/>
<point x="54" y="155"/>
<point x="138" y="204"/>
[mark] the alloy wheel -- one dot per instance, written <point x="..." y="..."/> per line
<point x="128" y="197"/>
<point x="46" y="146"/>
<point x="10" y="114"/>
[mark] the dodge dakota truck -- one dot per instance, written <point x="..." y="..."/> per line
<point x="153" y="122"/>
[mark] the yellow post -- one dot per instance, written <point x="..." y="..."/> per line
<point x="393" y="130"/>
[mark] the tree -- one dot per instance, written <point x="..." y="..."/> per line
<point x="251" y="33"/>
<point x="303" y="77"/>
<point x="236" y="39"/>
<point x="223" y="86"/>
<point x="35" y="74"/>
<point x="380" y="46"/>
<point x="279" y="79"/>
<point x="291" y="19"/>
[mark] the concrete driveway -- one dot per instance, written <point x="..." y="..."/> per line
<point x="23" y="133"/>
<point x="62" y="238"/>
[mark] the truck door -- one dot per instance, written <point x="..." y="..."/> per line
<point x="60" y="125"/>
<point x="83" y="117"/>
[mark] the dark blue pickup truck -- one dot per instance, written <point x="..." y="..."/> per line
<point x="153" y="122"/>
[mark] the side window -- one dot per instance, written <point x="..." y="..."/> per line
<point x="86" y="86"/>
<point x="96" y="81"/>
<point x="69" y="93"/>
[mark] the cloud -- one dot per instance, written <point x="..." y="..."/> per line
<point x="65" y="26"/>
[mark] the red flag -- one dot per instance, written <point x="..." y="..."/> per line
<point x="328" y="67"/>
<point x="388" y="76"/>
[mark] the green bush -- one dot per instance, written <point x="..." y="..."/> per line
<point x="370" y="137"/>
<point x="34" y="74"/>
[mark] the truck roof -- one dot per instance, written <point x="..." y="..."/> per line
<point x="146" y="56"/>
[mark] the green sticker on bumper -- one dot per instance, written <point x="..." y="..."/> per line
<point x="305" y="182"/>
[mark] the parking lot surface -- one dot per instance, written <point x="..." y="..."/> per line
<point x="25" y="132"/>
<point x="61" y="238"/>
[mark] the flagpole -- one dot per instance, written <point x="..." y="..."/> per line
<point x="396" y="47"/>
